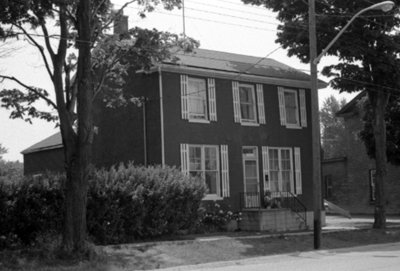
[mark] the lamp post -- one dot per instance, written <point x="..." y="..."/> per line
<point x="314" y="60"/>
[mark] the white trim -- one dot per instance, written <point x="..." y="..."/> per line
<point x="251" y="200"/>
<point x="162" y="119"/>
<point x="185" y="158"/>
<point x="236" y="101"/>
<point x="198" y="121"/>
<point x="265" y="161"/>
<point x="225" y="171"/>
<point x="294" y="83"/>
<point x="282" y="110"/>
<point x="293" y="91"/>
<point x="303" y="109"/>
<point x="212" y="102"/>
<point x="260" y="103"/>
<point x="250" y="124"/>
<point x="297" y="166"/>
<point x="253" y="94"/>
<point x="203" y="146"/>
<point x="280" y="178"/>
<point x="184" y="97"/>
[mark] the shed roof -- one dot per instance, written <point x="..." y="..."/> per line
<point x="51" y="142"/>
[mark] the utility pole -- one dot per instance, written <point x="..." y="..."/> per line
<point x="316" y="154"/>
<point x="183" y="18"/>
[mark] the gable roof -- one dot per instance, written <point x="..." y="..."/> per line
<point x="351" y="107"/>
<point x="51" y="142"/>
<point x="239" y="66"/>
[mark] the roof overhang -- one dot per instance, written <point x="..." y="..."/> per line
<point x="197" y="71"/>
<point x="27" y="151"/>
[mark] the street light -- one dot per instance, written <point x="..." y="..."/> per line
<point x="385" y="6"/>
<point x="314" y="59"/>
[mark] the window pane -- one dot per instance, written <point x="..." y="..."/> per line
<point x="291" y="108"/>
<point x="211" y="182"/>
<point x="194" y="158"/>
<point x="247" y="103"/>
<point x="210" y="158"/>
<point x="250" y="169"/>
<point x="197" y="98"/>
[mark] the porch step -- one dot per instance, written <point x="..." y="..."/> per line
<point x="273" y="220"/>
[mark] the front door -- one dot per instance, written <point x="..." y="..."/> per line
<point x="250" y="174"/>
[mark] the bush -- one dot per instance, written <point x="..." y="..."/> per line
<point x="124" y="204"/>
<point x="29" y="208"/>
<point x="216" y="217"/>
<point x="128" y="203"/>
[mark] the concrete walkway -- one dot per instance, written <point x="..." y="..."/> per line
<point x="384" y="257"/>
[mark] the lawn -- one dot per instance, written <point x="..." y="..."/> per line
<point x="195" y="251"/>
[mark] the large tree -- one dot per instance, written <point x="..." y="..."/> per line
<point x="333" y="130"/>
<point x="82" y="63"/>
<point x="367" y="53"/>
<point x="392" y="120"/>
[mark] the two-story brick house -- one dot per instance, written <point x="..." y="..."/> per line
<point x="350" y="180"/>
<point x="244" y="128"/>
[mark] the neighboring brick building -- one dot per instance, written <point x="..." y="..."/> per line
<point x="349" y="181"/>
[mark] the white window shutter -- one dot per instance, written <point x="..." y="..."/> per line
<point x="225" y="170"/>
<point x="297" y="165"/>
<point x="260" y="104"/>
<point x="265" y="163"/>
<point x="236" y="101"/>
<point x="282" y="110"/>
<point x="185" y="158"/>
<point x="212" y="103"/>
<point x="184" y="96"/>
<point x="303" y="110"/>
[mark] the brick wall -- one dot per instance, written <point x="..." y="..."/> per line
<point x="351" y="178"/>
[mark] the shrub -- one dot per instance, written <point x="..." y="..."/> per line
<point x="30" y="207"/>
<point x="216" y="217"/>
<point x="129" y="202"/>
<point x="124" y="204"/>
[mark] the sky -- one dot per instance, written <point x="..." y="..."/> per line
<point x="222" y="25"/>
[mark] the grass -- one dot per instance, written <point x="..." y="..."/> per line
<point x="188" y="252"/>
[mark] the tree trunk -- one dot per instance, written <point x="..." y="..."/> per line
<point x="379" y="105"/>
<point x="79" y="155"/>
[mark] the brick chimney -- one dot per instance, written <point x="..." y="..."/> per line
<point x="120" y="23"/>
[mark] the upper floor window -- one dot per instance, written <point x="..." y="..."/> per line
<point x="198" y="100"/>
<point x="248" y="103"/>
<point x="247" y="98"/>
<point x="292" y="107"/>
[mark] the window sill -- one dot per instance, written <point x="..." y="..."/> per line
<point x="289" y="126"/>
<point x="199" y="121"/>
<point x="212" y="197"/>
<point x="254" y="124"/>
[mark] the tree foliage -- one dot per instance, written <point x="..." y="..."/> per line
<point x="368" y="58"/>
<point x="392" y="119"/>
<point x="81" y="61"/>
<point x="333" y="130"/>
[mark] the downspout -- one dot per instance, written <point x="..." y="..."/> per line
<point x="144" y="133"/>
<point x="161" y="117"/>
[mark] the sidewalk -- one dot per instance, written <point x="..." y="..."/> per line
<point x="195" y="251"/>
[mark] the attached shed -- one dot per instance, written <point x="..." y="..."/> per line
<point x="46" y="155"/>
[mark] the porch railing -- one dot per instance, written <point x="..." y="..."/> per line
<point x="287" y="200"/>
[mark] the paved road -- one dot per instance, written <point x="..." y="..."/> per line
<point x="374" y="257"/>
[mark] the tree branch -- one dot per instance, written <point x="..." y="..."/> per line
<point x="47" y="39"/>
<point x="40" y="48"/>
<point x="41" y="95"/>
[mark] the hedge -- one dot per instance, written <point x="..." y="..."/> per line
<point x="125" y="203"/>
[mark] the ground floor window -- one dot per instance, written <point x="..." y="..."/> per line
<point x="280" y="169"/>
<point x="204" y="162"/>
